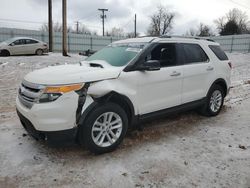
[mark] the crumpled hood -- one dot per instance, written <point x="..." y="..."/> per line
<point x="69" y="74"/>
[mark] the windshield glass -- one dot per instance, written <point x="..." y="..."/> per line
<point x="118" y="54"/>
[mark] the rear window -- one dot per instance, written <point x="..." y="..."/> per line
<point x="218" y="52"/>
<point x="194" y="53"/>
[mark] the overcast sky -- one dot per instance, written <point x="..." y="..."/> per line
<point x="189" y="13"/>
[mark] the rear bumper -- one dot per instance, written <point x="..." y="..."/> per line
<point x="53" y="137"/>
<point x="45" y="50"/>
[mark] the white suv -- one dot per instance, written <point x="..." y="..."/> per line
<point x="128" y="81"/>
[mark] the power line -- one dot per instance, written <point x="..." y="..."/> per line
<point x="244" y="6"/>
<point x="21" y="21"/>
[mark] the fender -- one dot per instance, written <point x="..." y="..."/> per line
<point x="222" y="83"/>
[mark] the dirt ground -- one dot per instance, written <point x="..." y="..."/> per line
<point x="184" y="150"/>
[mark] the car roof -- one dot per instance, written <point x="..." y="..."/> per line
<point x="17" y="38"/>
<point x="183" y="39"/>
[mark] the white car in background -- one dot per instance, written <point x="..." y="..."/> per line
<point x="22" y="46"/>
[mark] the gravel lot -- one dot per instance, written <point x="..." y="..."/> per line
<point x="184" y="150"/>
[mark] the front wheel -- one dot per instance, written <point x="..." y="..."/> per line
<point x="215" y="100"/>
<point x="104" y="128"/>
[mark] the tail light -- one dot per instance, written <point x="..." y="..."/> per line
<point x="230" y="65"/>
<point x="45" y="45"/>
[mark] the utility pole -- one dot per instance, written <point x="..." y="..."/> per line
<point x="77" y="26"/>
<point x="64" y="20"/>
<point x="103" y="16"/>
<point x="135" y="25"/>
<point x="50" y="25"/>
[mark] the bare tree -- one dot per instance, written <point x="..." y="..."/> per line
<point x="191" y="32"/>
<point x="131" y="35"/>
<point x="118" y="32"/>
<point x="201" y="31"/>
<point x="82" y="29"/>
<point x="204" y="30"/>
<point x="57" y="27"/>
<point x="234" y="22"/>
<point x="161" y="22"/>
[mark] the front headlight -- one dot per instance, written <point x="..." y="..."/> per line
<point x="63" y="88"/>
<point x="52" y="93"/>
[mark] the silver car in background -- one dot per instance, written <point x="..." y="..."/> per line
<point x="22" y="46"/>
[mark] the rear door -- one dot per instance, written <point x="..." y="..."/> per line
<point x="31" y="46"/>
<point x="198" y="70"/>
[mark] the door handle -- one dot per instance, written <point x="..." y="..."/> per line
<point x="175" y="73"/>
<point x="210" y="68"/>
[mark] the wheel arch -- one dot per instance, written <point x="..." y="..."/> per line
<point x="7" y="52"/>
<point x="121" y="100"/>
<point x="221" y="82"/>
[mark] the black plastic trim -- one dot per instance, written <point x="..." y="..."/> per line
<point x="168" y="111"/>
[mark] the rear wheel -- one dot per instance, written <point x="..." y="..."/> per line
<point x="104" y="128"/>
<point x="215" y="100"/>
<point x="39" y="52"/>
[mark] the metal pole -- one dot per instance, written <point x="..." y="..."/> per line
<point x="135" y="25"/>
<point x="77" y="27"/>
<point x="64" y="20"/>
<point x="232" y="43"/>
<point x="50" y="25"/>
<point x="103" y="16"/>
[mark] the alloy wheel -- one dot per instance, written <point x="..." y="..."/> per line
<point x="107" y="129"/>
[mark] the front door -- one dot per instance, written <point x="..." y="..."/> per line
<point x="160" y="89"/>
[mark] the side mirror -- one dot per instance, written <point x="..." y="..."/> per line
<point x="12" y="44"/>
<point x="150" y="65"/>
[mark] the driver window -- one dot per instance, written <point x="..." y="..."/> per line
<point x="165" y="53"/>
<point x="19" y="42"/>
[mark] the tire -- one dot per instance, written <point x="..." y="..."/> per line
<point x="5" y="53"/>
<point x="39" y="52"/>
<point x="214" y="101"/>
<point x="96" y="135"/>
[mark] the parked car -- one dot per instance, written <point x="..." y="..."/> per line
<point x="22" y="46"/>
<point x="125" y="83"/>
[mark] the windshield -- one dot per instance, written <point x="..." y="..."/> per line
<point x="118" y="54"/>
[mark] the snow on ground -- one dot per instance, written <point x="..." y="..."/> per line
<point x="185" y="150"/>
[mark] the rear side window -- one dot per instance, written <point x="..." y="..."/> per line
<point x="194" y="53"/>
<point x="218" y="52"/>
<point x="30" y="41"/>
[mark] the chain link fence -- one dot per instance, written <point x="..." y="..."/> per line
<point x="81" y="42"/>
<point x="234" y="43"/>
<point x="76" y="42"/>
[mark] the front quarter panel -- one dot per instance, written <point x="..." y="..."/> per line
<point x="125" y="84"/>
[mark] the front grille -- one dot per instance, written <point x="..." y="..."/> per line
<point x="29" y="93"/>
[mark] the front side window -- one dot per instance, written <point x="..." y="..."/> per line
<point x="19" y="42"/>
<point x="165" y="53"/>
<point x="118" y="54"/>
<point x="194" y="54"/>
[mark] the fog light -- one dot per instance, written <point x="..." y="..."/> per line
<point x="49" y="97"/>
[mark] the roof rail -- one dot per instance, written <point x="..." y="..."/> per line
<point x="188" y="37"/>
<point x="178" y="36"/>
